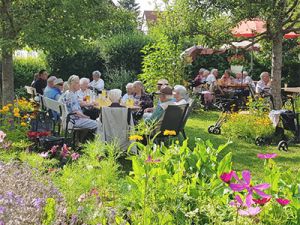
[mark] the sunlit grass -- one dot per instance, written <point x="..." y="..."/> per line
<point x="244" y="153"/>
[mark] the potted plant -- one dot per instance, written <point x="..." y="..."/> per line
<point x="236" y="63"/>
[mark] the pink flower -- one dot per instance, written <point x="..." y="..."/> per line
<point x="261" y="201"/>
<point x="64" y="151"/>
<point x="75" y="156"/>
<point x="283" y="201"/>
<point x="44" y="154"/>
<point x="245" y="184"/>
<point x="251" y="211"/>
<point x="151" y="160"/>
<point x="226" y="177"/>
<point x="267" y="156"/>
<point x="2" y="136"/>
<point x="53" y="150"/>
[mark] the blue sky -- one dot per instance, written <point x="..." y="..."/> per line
<point x="146" y="4"/>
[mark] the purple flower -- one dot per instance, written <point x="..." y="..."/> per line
<point x="251" y="211"/>
<point x="245" y="184"/>
<point x="2" y="223"/>
<point x="267" y="156"/>
<point x="75" y="156"/>
<point x="2" y="209"/>
<point x="37" y="202"/>
<point x="64" y="151"/>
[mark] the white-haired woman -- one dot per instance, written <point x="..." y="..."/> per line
<point x="84" y="93"/>
<point x="97" y="84"/>
<point x="114" y="96"/>
<point x="73" y="105"/>
<point x="129" y="94"/>
<point x="180" y="94"/>
<point x="263" y="86"/>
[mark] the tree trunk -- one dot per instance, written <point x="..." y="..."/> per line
<point x="276" y="70"/>
<point x="7" y="76"/>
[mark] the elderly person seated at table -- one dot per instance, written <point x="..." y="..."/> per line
<point x="97" y="84"/>
<point x="264" y="84"/>
<point x="141" y="98"/>
<point x="226" y="79"/>
<point x="239" y="79"/>
<point x="114" y="96"/>
<point x="129" y="94"/>
<point x="84" y="93"/>
<point x="180" y="94"/>
<point x="166" y="99"/>
<point x="212" y="77"/>
<point x="70" y="99"/>
<point x="50" y="85"/>
<point x="54" y="92"/>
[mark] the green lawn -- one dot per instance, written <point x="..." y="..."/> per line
<point x="244" y="153"/>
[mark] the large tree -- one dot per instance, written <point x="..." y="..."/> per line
<point x="281" y="17"/>
<point x="53" y="26"/>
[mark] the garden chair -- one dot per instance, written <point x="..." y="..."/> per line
<point x="173" y="119"/>
<point x="186" y="116"/>
<point x="115" y="125"/>
<point x="31" y="91"/>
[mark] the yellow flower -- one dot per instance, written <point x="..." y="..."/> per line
<point x="16" y="114"/>
<point x="23" y="124"/>
<point x="9" y="105"/>
<point x="170" y="133"/>
<point x="25" y="117"/>
<point x="5" y="109"/>
<point x="135" y="138"/>
<point x="16" y="110"/>
<point x="1" y="111"/>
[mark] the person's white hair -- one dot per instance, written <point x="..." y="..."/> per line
<point x="138" y="83"/>
<point x="263" y="74"/>
<point x="115" y="95"/>
<point x="214" y="70"/>
<point x="129" y="85"/>
<point x="245" y="73"/>
<point x="84" y="80"/>
<point x="163" y="82"/>
<point x="181" y="90"/>
<point x="72" y="78"/>
<point x="202" y="70"/>
<point x="96" y="73"/>
<point x="51" y="79"/>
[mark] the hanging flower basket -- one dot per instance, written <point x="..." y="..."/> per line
<point x="236" y="68"/>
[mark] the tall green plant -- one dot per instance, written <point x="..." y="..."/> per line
<point x="162" y="61"/>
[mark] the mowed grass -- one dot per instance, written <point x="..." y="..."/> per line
<point x="244" y="153"/>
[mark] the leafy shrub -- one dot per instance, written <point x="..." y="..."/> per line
<point x="118" y="78"/>
<point x="124" y="51"/>
<point x="162" y="61"/>
<point x="25" y="68"/>
<point x="81" y="63"/>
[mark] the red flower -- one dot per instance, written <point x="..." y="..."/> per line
<point x="282" y="201"/>
<point x="226" y="177"/>
<point x="261" y="201"/>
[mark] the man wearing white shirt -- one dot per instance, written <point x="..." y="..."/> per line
<point x="97" y="83"/>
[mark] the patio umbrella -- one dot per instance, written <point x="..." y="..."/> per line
<point x="198" y="50"/>
<point x="251" y="28"/>
<point x="242" y="45"/>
